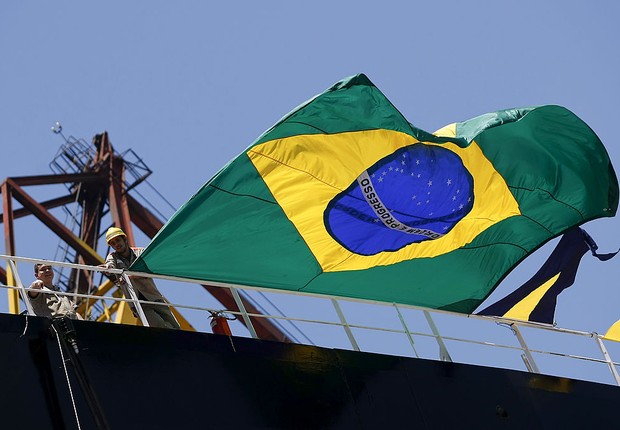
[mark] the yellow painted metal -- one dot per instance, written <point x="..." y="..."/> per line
<point x="101" y="291"/>
<point x="13" y="293"/>
<point x="125" y="316"/>
<point x="106" y="312"/>
<point x="109" y="312"/>
<point x="13" y="301"/>
<point x="120" y="310"/>
<point x="185" y="325"/>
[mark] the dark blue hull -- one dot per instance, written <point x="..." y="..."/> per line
<point x="134" y="377"/>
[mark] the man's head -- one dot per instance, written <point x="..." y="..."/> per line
<point x="117" y="239"/>
<point x="44" y="272"/>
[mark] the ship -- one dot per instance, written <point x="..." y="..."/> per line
<point x="252" y="368"/>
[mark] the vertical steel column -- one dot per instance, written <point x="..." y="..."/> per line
<point x="9" y="243"/>
<point x="7" y="217"/>
<point x="117" y="198"/>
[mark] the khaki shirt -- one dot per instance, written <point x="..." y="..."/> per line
<point x="145" y="286"/>
<point x="48" y="304"/>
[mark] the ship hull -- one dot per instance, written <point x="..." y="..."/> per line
<point x="122" y="376"/>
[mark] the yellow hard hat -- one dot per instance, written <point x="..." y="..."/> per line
<point x="112" y="233"/>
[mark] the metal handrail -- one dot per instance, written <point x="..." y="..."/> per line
<point x="347" y="326"/>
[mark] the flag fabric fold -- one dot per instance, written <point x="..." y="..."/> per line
<point x="536" y="299"/>
<point x="345" y="197"/>
<point x="613" y="333"/>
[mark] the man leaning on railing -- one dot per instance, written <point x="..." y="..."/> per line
<point x="47" y="303"/>
<point x="121" y="258"/>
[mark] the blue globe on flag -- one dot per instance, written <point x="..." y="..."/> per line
<point x="417" y="193"/>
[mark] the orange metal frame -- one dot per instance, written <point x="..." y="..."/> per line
<point x="101" y="183"/>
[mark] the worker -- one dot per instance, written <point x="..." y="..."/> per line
<point x="47" y="303"/>
<point x="121" y="258"/>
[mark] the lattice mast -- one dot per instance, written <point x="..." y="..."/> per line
<point x="99" y="182"/>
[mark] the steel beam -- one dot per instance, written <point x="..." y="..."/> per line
<point x="9" y="244"/>
<point x="119" y="209"/>
<point x="48" y="204"/>
<point x="90" y="255"/>
<point x="56" y="179"/>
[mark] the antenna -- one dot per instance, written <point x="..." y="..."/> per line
<point x="57" y="129"/>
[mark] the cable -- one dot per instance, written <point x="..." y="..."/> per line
<point x="151" y="205"/>
<point x="278" y="323"/>
<point x="64" y="365"/>
<point x="160" y="195"/>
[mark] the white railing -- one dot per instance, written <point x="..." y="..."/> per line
<point x="343" y="324"/>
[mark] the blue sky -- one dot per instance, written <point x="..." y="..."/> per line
<point x="189" y="84"/>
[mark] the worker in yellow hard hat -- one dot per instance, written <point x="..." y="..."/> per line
<point x="112" y="233"/>
<point x="121" y="258"/>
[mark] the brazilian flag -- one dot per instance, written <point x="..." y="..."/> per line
<point x="345" y="197"/>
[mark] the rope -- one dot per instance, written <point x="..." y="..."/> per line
<point x="25" y="327"/>
<point x="64" y="365"/>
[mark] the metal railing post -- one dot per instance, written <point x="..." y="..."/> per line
<point x="402" y="321"/>
<point x="135" y="300"/>
<point x="527" y="358"/>
<point x="22" y="289"/>
<point x="244" y="313"/>
<point x="444" y="355"/>
<point x="345" y="325"/>
<point x="608" y="359"/>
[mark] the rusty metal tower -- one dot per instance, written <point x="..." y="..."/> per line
<point x="100" y="185"/>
